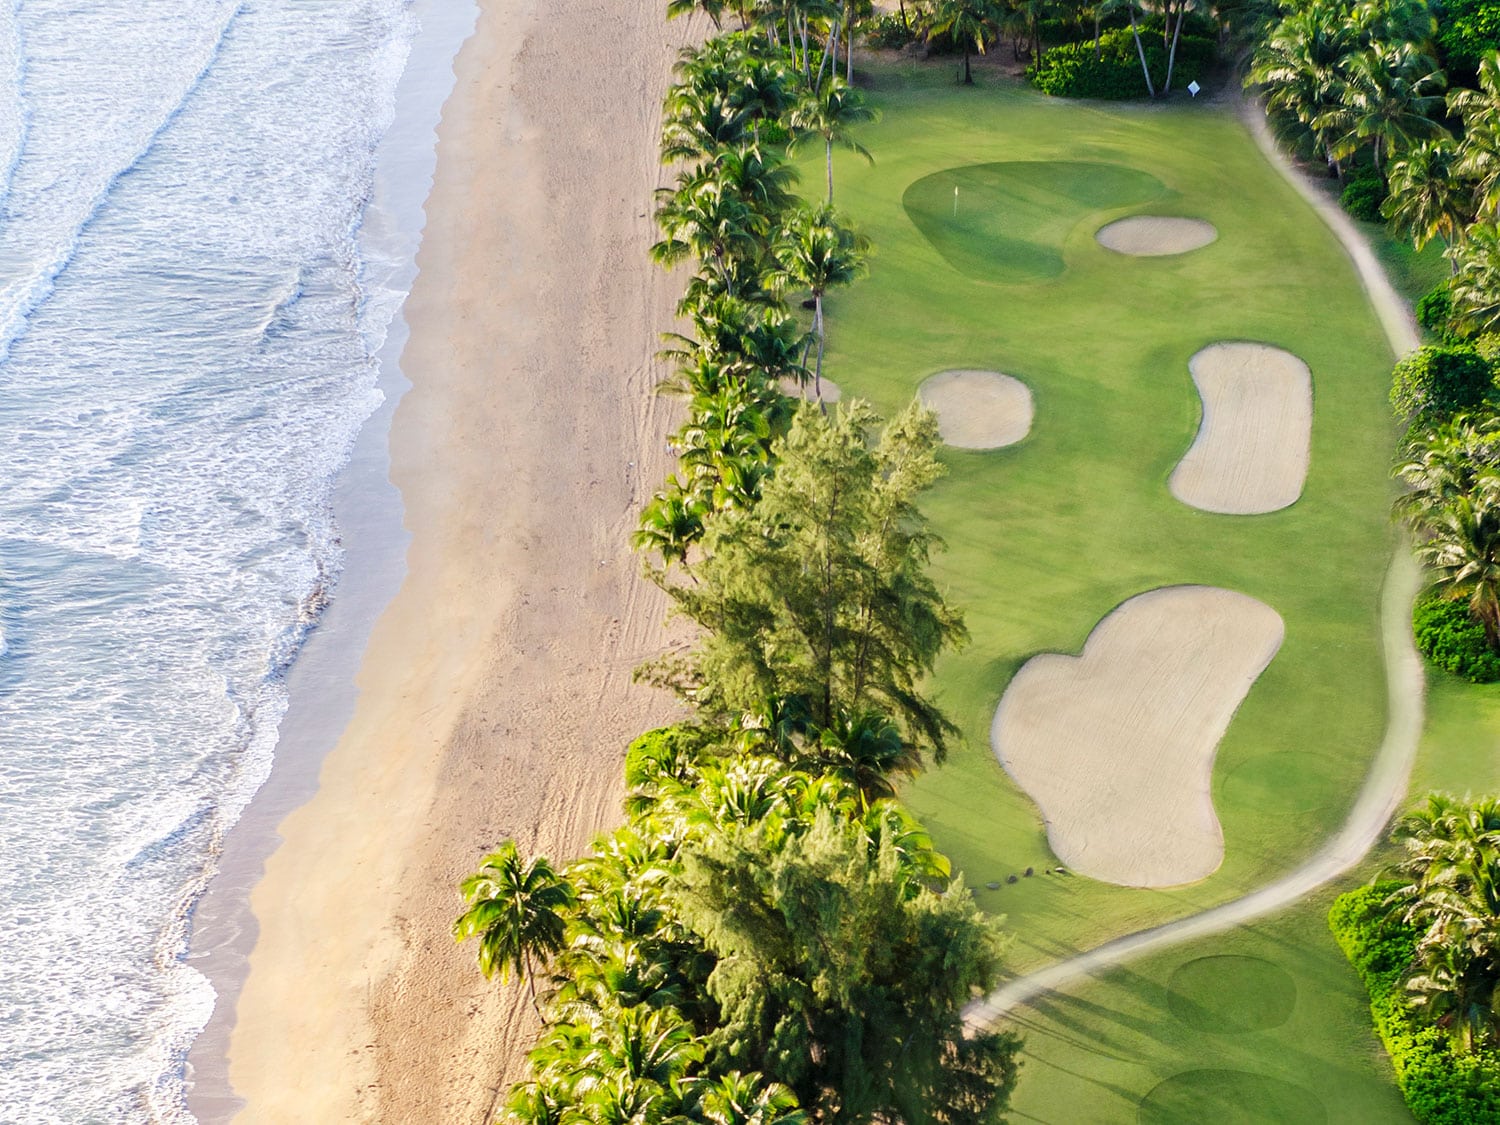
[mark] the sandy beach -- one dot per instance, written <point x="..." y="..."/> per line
<point x="495" y="693"/>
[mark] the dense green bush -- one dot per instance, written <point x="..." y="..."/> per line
<point x="1434" y="309"/>
<point x="1362" y="197"/>
<point x="1072" y="71"/>
<point x="1437" y="382"/>
<point x="1440" y="1087"/>
<point x="1468" y="30"/>
<point x="888" y="30"/>
<point x="1448" y="635"/>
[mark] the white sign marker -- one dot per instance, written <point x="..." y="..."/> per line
<point x="1193" y="88"/>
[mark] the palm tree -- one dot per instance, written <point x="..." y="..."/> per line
<point x="1428" y="199"/>
<point x="818" y="253"/>
<point x="1463" y="550"/>
<point x="828" y="112"/>
<point x="866" y="750"/>
<point x="1442" y="463"/>
<point x="970" y="23"/>
<point x="748" y="1099"/>
<point x="516" y="909"/>
<point x="1479" y="151"/>
<point x="1451" y="854"/>
<point x="671" y="523"/>
<point x="1389" y="98"/>
<point x="1300" y="66"/>
<point x="1475" y="287"/>
<point x="711" y="223"/>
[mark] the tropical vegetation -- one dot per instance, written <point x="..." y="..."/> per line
<point x="1427" y="946"/>
<point x="770" y="937"/>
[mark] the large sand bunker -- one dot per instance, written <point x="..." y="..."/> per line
<point x="978" y="409"/>
<point x="1251" y="451"/>
<point x="1156" y="236"/>
<point x="1116" y="745"/>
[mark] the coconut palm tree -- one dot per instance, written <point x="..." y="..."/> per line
<point x="1442" y="463"/>
<point x="737" y="1098"/>
<point x="969" y="23"/>
<point x="1462" y="549"/>
<point x="517" y="909"/>
<point x="866" y="750"/>
<point x="671" y="523"/>
<point x="1428" y="198"/>
<point x="712" y="223"/>
<point x="1389" y="97"/>
<point x="1300" y="67"/>
<point x="1451" y="854"/>
<point x="828" y="112"/>
<point x="1479" y="150"/>
<point x="1475" y="287"/>
<point x="818" y="253"/>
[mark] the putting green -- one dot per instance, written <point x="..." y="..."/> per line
<point x="1007" y="222"/>
<point x="1230" y="994"/>
<point x="1230" y="1097"/>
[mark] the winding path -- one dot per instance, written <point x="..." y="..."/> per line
<point x="1385" y="785"/>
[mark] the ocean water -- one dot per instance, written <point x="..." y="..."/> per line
<point x="190" y="324"/>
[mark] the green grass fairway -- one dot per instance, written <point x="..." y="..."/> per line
<point x="1047" y="536"/>
<point x="1006" y="222"/>
<point x="1264" y="1026"/>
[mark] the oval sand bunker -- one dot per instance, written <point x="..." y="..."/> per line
<point x="1251" y="452"/>
<point x="1155" y="236"/>
<point x="978" y="409"/>
<point x="1116" y="746"/>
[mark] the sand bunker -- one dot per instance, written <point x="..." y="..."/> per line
<point x="1116" y="746"/>
<point x="978" y="409"/>
<point x="1155" y="236"/>
<point x="1251" y="451"/>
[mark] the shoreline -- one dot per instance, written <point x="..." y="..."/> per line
<point x="368" y="514"/>
<point x="494" y="695"/>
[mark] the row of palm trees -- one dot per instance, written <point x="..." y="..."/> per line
<point x="1451" y="861"/>
<point x="1451" y="470"/>
<point x="654" y="1007"/>
<point x="739" y="108"/>
<point x="1361" y="81"/>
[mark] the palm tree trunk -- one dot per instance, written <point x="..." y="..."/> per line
<point x="968" y="78"/>
<point x="531" y="985"/>
<point x="1098" y="19"/>
<point x="818" y="328"/>
<point x="828" y="148"/>
<point x="848" y="49"/>
<point x="1172" y="54"/>
<point x="906" y="27"/>
<point x="1140" y="50"/>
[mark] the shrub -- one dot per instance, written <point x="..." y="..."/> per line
<point x="1451" y="639"/>
<point x="1434" y="310"/>
<point x="1440" y="1087"/>
<point x="1468" y="30"/>
<point x="1362" y="197"/>
<point x="1437" y="382"/>
<point x="888" y="31"/>
<point x="1072" y="71"/>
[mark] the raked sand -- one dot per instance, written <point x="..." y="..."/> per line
<point x="1156" y="236"/>
<point x="1116" y="745"/>
<point x="1251" y="452"/>
<point x="496" y="697"/>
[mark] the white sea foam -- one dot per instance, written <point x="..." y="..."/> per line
<point x="186" y="334"/>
